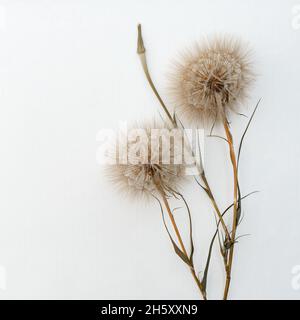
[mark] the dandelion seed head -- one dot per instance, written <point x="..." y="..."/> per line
<point x="211" y="80"/>
<point x="146" y="170"/>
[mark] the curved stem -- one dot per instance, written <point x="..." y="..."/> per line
<point x="141" y="50"/>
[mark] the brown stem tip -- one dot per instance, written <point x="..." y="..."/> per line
<point x="140" y="43"/>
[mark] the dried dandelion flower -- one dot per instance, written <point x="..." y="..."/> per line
<point x="211" y="80"/>
<point x="153" y="161"/>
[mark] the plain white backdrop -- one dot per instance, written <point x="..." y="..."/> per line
<point x="69" y="69"/>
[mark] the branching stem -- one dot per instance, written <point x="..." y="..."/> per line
<point x="141" y="50"/>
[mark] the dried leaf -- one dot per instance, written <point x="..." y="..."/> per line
<point x="206" y="190"/>
<point x="246" y="129"/>
<point x="191" y="228"/>
<point x="216" y="136"/>
<point x="176" y="248"/>
<point x="204" y="279"/>
<point x="181" y="254"/>
<point x="229" y="207"/>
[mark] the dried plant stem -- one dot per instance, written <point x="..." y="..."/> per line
<point x="213" y="201"/>
<point x="141" y="50"/>
<point x="174" y="224"/>
<point x="235" y="207"/>
<point x="179" y="238"/>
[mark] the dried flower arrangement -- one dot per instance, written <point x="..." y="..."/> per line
<point x="208" y="84"/>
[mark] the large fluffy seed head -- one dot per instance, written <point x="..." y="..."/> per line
<point x="211" y="80"/>
<point x="147" y="171"/>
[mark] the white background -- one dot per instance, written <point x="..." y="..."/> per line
<point x="69" y="69"/>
